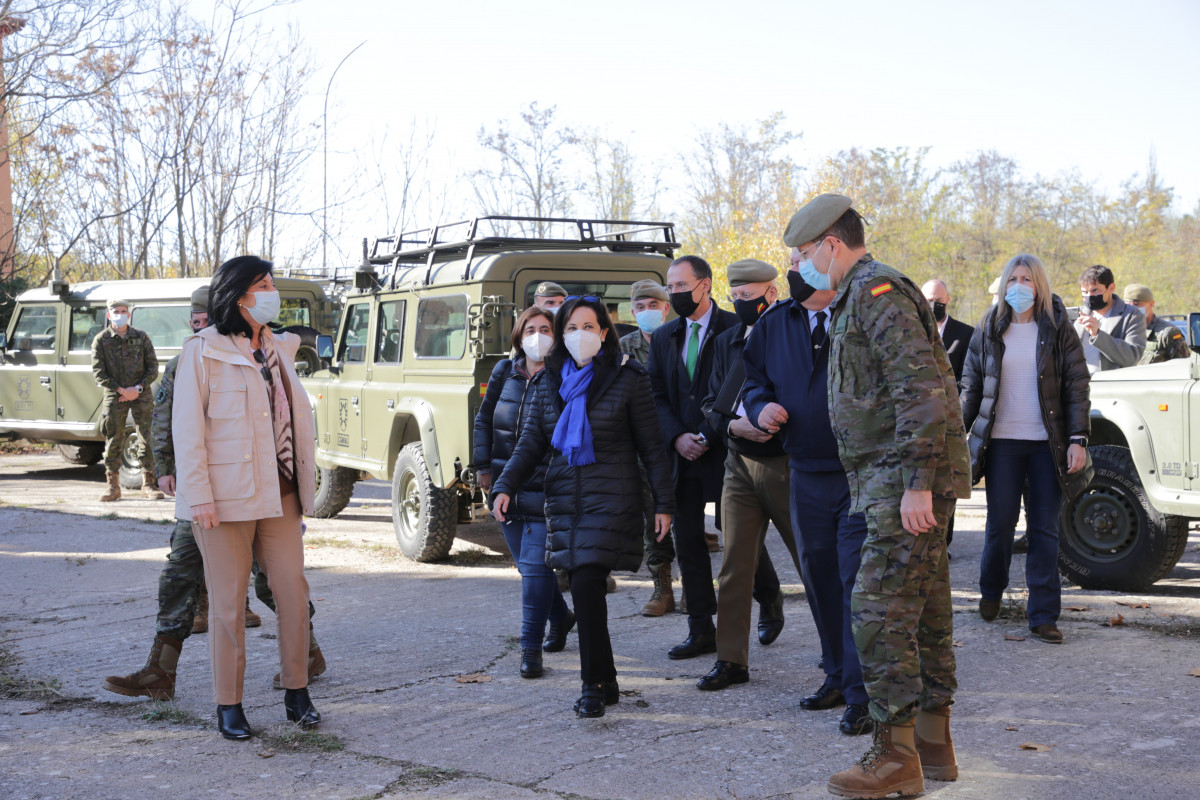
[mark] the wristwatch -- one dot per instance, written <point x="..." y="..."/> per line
<point x="1079" y="440"/>
<point x="139" y="388"/>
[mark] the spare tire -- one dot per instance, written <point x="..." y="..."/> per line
<point x="1111" y="537"/>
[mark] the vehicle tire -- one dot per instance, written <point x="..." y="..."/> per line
<point x="85" y="453"/>
<point x="334" y="488"/>
<point x="307" y="361"/>
<point x="131" y="465"/>
<point x="1111" y="537"/>
<point x="425" y="517"/>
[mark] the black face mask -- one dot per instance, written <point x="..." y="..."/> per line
<point x="799" y="288"/>
<point x="683" y="303"/>
<point x="1095" y="302"/>
<point x="939" y="311"/>
<point x="749" y="311"/>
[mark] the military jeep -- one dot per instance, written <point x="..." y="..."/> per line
<point x="1130" y="526"/>
<point x="431" y="314"/>
<point x="47" y="390"/>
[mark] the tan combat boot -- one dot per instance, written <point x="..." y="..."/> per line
<point x="150" y="486"/>
<point x="662" y="599"/>
<point x="316" y="660"/>
<point x="891" y="766"/>
<point x="200" y="621"/>
<point x="157" y="678"/>
<point x="935" y="746"/>
<point x="114" y="488"/>
<point x="252" y="620"/>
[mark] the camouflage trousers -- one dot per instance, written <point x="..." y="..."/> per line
<point x="901" y="615"/>
<point x="115" y="432"/>
<point x="182" y="580"/>
<point x="656" y="552"/>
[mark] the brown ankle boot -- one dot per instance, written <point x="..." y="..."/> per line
<point x="114" y="488"/>
<point x="891" y="766"/>
<point x="252" y="620"/>
<point x="316" y="660"/>
<point x="662" y="599"/>
<point x="150" y="486"/>
<point x="200" y="621"/>
<point x="935" y="746"/>
<point x="157" y="678"/>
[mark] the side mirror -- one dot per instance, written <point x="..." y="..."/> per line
<point x="324" y="346"/>
<point x="1193" y="331"/>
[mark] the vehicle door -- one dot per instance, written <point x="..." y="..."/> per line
<point x="29" y="375"/>
<point x="79" y="397"/>
<point x="385" y="377"/>
<point x="343" y="432"/>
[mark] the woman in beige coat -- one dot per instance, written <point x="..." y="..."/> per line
<point x="244" y="449"/>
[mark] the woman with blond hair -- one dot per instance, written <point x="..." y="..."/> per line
<point x="1025" y="404"/>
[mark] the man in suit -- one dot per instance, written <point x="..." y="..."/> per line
<point x="956" y="336"/>
<point x="681" y="358"/>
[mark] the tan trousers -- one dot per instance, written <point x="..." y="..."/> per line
<point x="229" y="550"/>
<point x="757" y="491"/>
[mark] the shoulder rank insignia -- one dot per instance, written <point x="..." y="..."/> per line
<point x="882" y="288"/>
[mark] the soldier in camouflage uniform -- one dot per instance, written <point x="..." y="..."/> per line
<point x="895" y="412"/>
<point x="650" y="308"/>
<point x="181" y="596"/>
<point x="1163" y="340"/>
<point x="125" y="366"/>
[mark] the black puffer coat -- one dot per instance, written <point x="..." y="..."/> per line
<point x="497" y="426"/>
<point x="594" y="512"/>
<point x="1062" y="385"/>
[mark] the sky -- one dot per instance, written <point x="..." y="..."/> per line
<point x="1098" y="87"/>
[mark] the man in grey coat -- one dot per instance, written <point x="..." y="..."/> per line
<point x="1113" y="332"/>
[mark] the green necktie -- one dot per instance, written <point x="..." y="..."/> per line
<point x="693" y="350"/>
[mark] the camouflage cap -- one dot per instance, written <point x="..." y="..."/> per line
<point x="648" y="290"/>
<point x="1137" y="293"/>
<point x="995" y="287"/>
<point x="549" y="289"/>
<point x="815" y="218"/>
<point x="114" y="302"/>
<point x="750" y="270"/>
<point x="200" y="300"/>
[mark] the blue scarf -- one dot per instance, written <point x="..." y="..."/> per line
<point x="573" y="432"/>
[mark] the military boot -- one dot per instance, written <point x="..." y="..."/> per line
<point x="200" y="621"/>
<point x="316" y="660"/>
<point x="935" y="746"/>
<point x="252" y="620"/>
<point x="114" y="488"/>
<point x="662" y="599"/>
<point x="891" y="766"/>
<point x="150" y="486"/>
<point x="157" y="678"/>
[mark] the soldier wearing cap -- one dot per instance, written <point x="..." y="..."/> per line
<point x="124" y="364"/>
<point x="894" y="409"/>
<point x="650" y="308"/>
<point x="755" y="490"/>
<point x="1163" y="340"/>
<point x="549" y="295"/>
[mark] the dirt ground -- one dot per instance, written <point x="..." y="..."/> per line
<point x="1109" y="714"/>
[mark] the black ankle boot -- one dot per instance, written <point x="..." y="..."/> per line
<point x="591" y="703"/>
<point x="531" y="663"/>
<point x="609" y="690"/>
<point x="231" y="722"/>
<point x="556" y="639"/>
<point x="300" y="708"/>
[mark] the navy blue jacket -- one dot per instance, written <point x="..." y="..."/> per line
<point x="497" y="426"/>
<point x="780" y="369"/>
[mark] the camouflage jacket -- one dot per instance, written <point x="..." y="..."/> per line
<point x="892" y="397"/>
<point x="123" y="361"/>
<point x="635" y="344"/>
<point x="160" y="424"/>
<point x="1164" y="342"/>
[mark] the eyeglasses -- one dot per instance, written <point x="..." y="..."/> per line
<point x="264" y="369"/>
<point x="812" y="250"/>
<point x="591" y="298"/>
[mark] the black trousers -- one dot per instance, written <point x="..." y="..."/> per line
<point x="590" y="596"/>
<point x="695" y="564"/>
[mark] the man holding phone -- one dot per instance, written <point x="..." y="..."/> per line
<point x="1113" y="333"/>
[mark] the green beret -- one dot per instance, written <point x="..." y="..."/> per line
<point x="200" y="300"/>
<point x="549" y="289"/>
<point x="113" y="303"/>
<point x="815" y="218"/>
<point x="648" y="290"/>
<point x="1137" y="293"/>
<point x="750" y="270"/>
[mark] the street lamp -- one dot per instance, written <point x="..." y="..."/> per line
<point x="325" y="159"/>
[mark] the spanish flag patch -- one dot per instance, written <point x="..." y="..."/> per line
<point x="882" y="288"/>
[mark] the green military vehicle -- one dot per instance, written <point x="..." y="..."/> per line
<point x="1130" y="526"/>
<point x="431" y="315"/>
<point x="47" y="390"/>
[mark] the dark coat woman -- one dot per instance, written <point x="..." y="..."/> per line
<point x="1025" y="404"/>
<point x="592" y="416"/>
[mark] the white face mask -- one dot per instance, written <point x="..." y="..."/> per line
<point x="120" y="320"/>
<point x="582" y="345"/>
<point x="265" y="308"/>
<point x="537" y="346"/>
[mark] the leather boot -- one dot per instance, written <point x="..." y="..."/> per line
<point x="114" y="488"/>
<point x="556" y="639"/>
<point x="890" y="766"/>
<point x="252" y="620"/>
<point x="316" y="660"/>
<point x="200" y="621"/>
<point x="935" y="746"/>
<point x="300" y="709"/>
<point x="662" y="599"/>
<point x="231" y="722"/>
<point x="531" y="663"/>
<point x="591" y="701"/>
<point x="155" y="680"/>
<point x="150" y="489"/>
